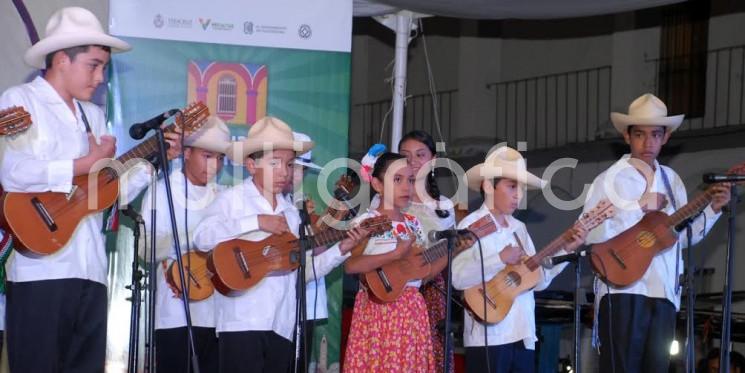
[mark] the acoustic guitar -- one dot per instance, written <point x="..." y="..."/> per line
<point x="14" y="120"/>
<point x="387" y="283"/>
<point x="516" y="279"/>
<point x="44" y="222"/>
<point x="623" y="260"/>
<point x="195" y="262"/>
<point x="237" y="265"/>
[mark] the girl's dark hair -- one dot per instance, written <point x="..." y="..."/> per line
<point x="382" y="163"/>
<point x="432" y="188"/>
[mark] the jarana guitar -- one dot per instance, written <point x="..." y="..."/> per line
<point x="195" y="263"/>
<point x="44" y="222"/>
<point x="237" y="265"/>
<point x="623" y="260"/>
<point x="516" y="279"/>
<point x="387" y="283"/>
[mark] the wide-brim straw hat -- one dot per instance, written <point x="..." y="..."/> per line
<point x="71" y="27"/>
<point x="213" y="136"/>
<point x="268" y="133"/>
<point x="646" y="110"/>
<point x="503" y="162"/>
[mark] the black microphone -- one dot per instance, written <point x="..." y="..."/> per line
<point x="551" y="262"/>
<point x="132" y="214"/>
<point x="435" y="236"/>
<point x="711" y="178"/>
<point x="138" y="130"/>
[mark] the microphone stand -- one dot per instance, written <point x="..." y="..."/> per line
<point x="577" y="306"/>
<point x="690" y="360"/>
<point x="153" y="289"/>
<point x="726" y="346"/>
<point x="300" y="306"/>
<point x="448" y="304"/>
<point x="134" y="318"/>
<point x="177" y="245"/>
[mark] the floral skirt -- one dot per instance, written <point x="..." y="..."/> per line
<point x="391" y="337"/>
<point x="435" y="301"/>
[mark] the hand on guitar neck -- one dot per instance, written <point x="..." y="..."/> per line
<point x="720" y="195"/>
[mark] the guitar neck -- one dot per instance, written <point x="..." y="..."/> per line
<point x="328" y="237"/>
<point x="143" y="150"/>
<point x="549" y="250"/>
<point x="690" y="209"/>
<point x="440" y="249"/>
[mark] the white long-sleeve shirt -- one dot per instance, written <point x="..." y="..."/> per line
<point x="40" y="160"/>
<point x="270" y="304"/>
<point x="519" y="324"/>
<point x="623" y="185"/>
<point x="169" y="310"/>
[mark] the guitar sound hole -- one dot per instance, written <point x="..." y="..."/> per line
<point x="513" y="279"/>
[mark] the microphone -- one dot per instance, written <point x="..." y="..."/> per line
<point x="711" y="178"/>
<point x="132" y="214"/>
<point x="435" y="236"/>
<point x="551" y="262"/>
<point x="138" y="130"/>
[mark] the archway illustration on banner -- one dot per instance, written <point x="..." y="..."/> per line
<point x="235" y="92"/>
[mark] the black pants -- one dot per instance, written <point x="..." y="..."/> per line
<point x="512" y="357"/>
<point x="307" y="343"/>
<point x="172" y="353"/>
<point x="56" y="326"/>
<point x="635" y="333"/>
<point x="254" y="351"/>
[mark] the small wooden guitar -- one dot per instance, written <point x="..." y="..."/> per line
<point x="237" y="265"/>
<point x="44" y="222"/>
<point x="14" y="120"/>
<point x="388" y="282"/>
<point x="195" y="268"/>
<point x="195" y="263"/>
<point x="623" y="260"/>
<point x="516" y="279"/>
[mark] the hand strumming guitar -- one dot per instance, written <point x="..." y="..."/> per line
<point x="403" y="246"/>
<point x="652" y="201"/>
<point x="96" y="152"/>
<point x="273" y="224"/>
<point x="511" y="254"/>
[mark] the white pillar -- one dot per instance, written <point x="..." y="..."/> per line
<point x="403" y="30"/>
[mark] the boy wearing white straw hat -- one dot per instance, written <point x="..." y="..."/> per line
<point x="63" y="296"/>
<point x="256" y="328"/>
<point x="636" y="335"/>
<point x="194" y="188"/>
<point x="509" y="344"/>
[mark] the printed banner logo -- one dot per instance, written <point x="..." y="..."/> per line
<point x="205" y="23"/>
<point x="304" y="32"/>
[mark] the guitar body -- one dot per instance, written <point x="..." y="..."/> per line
<point x="43" y="223"/>
<point x="501" y="292"/>
<point x="237" y="265"/>
<point x="388" y="282"/>
<point x="198" y="277"/>
<point x="624" y="259"/>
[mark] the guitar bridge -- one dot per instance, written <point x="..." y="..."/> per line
<point x="242" y="262"/>
<point x="384" y="279"/>
<point x="617" y="259"/>
<point x="71" y="193"/>
<point x="44" y="214"/>
<point x="486" y="296"/>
